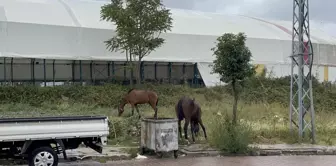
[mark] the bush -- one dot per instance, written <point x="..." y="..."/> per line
<point x="124" y="130"/>
<point x="231" y="138"/>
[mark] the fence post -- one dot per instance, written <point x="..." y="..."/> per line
<point x="5" y="72"/>
<point x="169" y="71"/>
<point x="91" y="73"/>
<point x="12" y="71"/>
<point x="53" y="66"/>
<point x="108" y="70"/>
<point x="183" y="73"/>
<point x="155" y="71"/>
<point x="44" y="72"/>
<point x="73" y="71"/>
<point x="125" y="72"/>
<point x="33" y="70"/>
<point x="113" y="71"/>
<point x="142" y="71"/>
<point x="195" y="75"/>
<point x="80" y="72"/>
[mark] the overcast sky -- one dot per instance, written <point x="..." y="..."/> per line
<point x="321" y="11"/>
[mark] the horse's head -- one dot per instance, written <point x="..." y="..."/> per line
<point x="195" y="127"/>
<point x="121" y="107"/>
<point x="120" y="110"/>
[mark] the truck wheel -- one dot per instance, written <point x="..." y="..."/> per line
<point x="142" y="151"/>
<point x="175" y="154"/>
<point x="43" y="156"/>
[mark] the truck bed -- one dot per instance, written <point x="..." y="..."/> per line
<point x="21" y="129"/>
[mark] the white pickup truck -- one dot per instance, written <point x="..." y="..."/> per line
<point x="40" y="140"/>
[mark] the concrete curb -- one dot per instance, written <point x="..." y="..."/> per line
<point x="266" y="150"/>
<point x="199" y="150"/>
<point x="275" y="152"/>
<point x="200" y="153"/>
<point x="109" y="153"/>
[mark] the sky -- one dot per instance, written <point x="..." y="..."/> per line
<point x="279" y="9"/>
<point x="321" y="11"/>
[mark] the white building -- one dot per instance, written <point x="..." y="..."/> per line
<point x="71" y="30"/>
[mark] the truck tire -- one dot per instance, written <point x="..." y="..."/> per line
<point x="43" y="156"/>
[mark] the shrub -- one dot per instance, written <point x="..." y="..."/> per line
<point x="231" y="138"/>
<point x="124" y="130"/>
<point x="256" y="90"/>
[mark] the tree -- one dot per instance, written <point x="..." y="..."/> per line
<point x="139" y="24"/>
<point x="232" y="63"/>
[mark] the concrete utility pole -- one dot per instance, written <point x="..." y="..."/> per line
<point x="302" y="113"/>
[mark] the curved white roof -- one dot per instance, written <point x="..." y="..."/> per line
<point x="72" y="29"/>
<point x="86" y="14"/>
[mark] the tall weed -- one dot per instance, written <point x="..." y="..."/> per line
<point x="231" y="138"/>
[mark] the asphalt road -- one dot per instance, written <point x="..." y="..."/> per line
<point x="221" y="161"/>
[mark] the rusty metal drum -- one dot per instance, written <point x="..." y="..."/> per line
<point x="159" y="135"/>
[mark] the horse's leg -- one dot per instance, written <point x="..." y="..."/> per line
<point x="186" y="124"/>
<point x="136" y="107"/>
<point x="180" y="128"/>
<point x="192" y="128"/>
<point x="153" y="105"/>
<point x="203" y="128"/>
<point x="197" y="132"/>
<point x="132" y="109"/>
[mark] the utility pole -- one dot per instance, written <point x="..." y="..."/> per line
<point x="302" y="113"/>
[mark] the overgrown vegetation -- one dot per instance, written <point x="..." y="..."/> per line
<point x="263" y="107"/>
<point x="231" y="138"/>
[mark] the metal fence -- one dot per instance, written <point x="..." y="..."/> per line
<point x="46" y="72"/>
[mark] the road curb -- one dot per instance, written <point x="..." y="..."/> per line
<point x="264" y="152"/>
<point x="119" y="153"/>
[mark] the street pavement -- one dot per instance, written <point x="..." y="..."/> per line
<point x="221" y="161"/>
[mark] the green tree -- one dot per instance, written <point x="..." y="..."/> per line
<point x="232" y="63"/>
<point x="139" y="24"/>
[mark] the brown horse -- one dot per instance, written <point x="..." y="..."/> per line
<point x="189" y="110"/>
<point x="135" y="97"/>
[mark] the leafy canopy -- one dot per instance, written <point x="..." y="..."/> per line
<point x="139" y="24"/>
<point x="233" y="58"/>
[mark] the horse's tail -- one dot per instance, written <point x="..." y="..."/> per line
<point x="157" y="101"/>
<point x="180" y="113"/>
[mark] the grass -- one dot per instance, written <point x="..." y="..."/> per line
<point x="263" y="106"/>
<point x="269" y="122"/>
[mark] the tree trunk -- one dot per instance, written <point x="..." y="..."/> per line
<point x="138" y="77"/>
<point x="235" y="104"/>
<point x="139" y="67"/>
<point x="130" y="65"/>
<point x="131" y="71"/>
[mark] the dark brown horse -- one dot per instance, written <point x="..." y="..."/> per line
<point x="189" y="110"/>
<point x="135" y="97"/>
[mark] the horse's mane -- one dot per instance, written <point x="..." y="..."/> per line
<point x="129" y="91"/>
